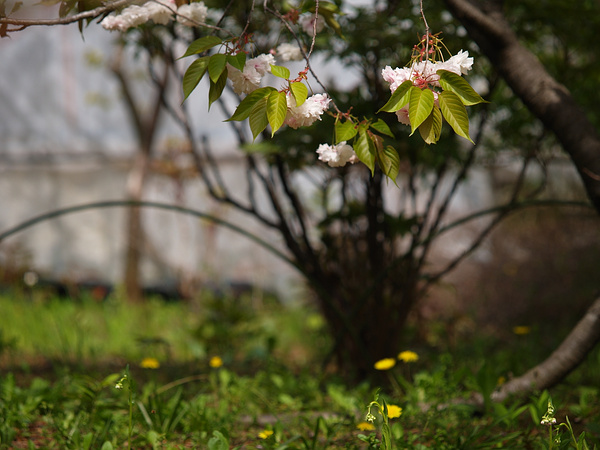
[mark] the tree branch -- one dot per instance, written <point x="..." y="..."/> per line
<point x="91" y="14"/>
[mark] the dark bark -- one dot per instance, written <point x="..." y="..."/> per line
<point x="546" y="98"/>
<point x="555" y="107"/>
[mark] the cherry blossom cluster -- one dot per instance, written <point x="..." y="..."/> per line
<point x="160" y="12"/>
<point x="308" y="112"/>
<point x="248" y="80"/>
<point x="423" y="74"/>
<point x="337" y="155"/>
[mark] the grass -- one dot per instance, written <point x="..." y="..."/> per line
<point x="245" y="373"/>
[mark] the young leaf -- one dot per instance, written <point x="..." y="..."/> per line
<point x="399" y="98"/>
<point x="216" y="66"/>
<point x="276" y="110"/>
<point x="450" y="81"/>
<point x="280" y="71"/>
<point x="245" y="107"/>
<point x="344" y="131"/>
<point x="216" y="89"/>
<point x="455" y="113"/>
<point x="431" y="129"/>
<point x="389" y="161"/>
<point x="193" y="75"/>
<point x="258" y="117"/>
<point x="382" y="127"/>
<point x="421" y="104"/>
<point x="202" y="44"/>
<point x="237" y="61"/>
<point x="365" y="150"/>
<point x="299" y="91"/>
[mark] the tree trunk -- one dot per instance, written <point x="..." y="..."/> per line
<point x="554" y="106"/>
<point x="135" y="230"/>
<point x="145" y="126"/>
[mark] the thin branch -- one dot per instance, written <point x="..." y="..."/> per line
<point x="91" y="14"/>
<point x="147" y="204"/>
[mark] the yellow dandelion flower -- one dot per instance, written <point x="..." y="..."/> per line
<point x="215" y="362"/>
<point x="393" y="411"/>
<point x="407" y="356"/>
<point x="385" y="364"/>
<point x="264" y="434"/>
<point x="149" y="363"/>
<point x="521" y="330"/>
<point x="501" y="380"/>
<point x="365" y="426"/>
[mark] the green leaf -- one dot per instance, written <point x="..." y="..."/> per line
<point x="276" y="110"/>
<point x="399" y="98"/>
<point x="193" y="75"/>
<point x="365" y="150"/>
<point x="218" y="442"/>
<point x="450" y="81"/>
<point x="331" y="21"/>
<point x="431" y="129"/>
<point x="389" y="161"/>
<point x="216" y="89"/>
<point x="245" y="107"/>
<point x="421" y="104"/>
<point x="216" y="66"/>
<point x="299" y="91"/>
<point x="202" y="44"/>
<point x="258" y="118"/>
<point x="344" y="131"/>
<point x="382" y="127"/>
<point x="237" y="61"/>
<point x="280" y="71"/>
<point x="455" y="113"/>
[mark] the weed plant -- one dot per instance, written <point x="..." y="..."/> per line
<point x="88" y="375"/>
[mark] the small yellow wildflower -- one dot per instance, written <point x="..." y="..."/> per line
<point x="149" y="363"/>
<point x="215" y="362"/>
<point x="521" y="330"/>
<point x="365" y="426"/>
<point x="385" y="364"/>
<point x="407" y="356"/>
<point x="501" y="380"/>
<point x="264" y="434"/>
<point x="393" y="411"/>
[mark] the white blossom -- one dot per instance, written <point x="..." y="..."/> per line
<point x="160" y="12"/>
<point x="289" y="52"/>
<point x="262" y="63"/>
<point x="130" y="17"/>
<point x="248" y="80"/>
<point x="396" y="76"/>
<point x="426" y="71"/>
<point x="307" y="22"/>
<point x="308" y="112"/>
<point x="192" y="14"/>
<point x="243" y="82"/>
<point x="402" y="115"/>
<point x="460" y="63"/>
<point x="337" y="155"/>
